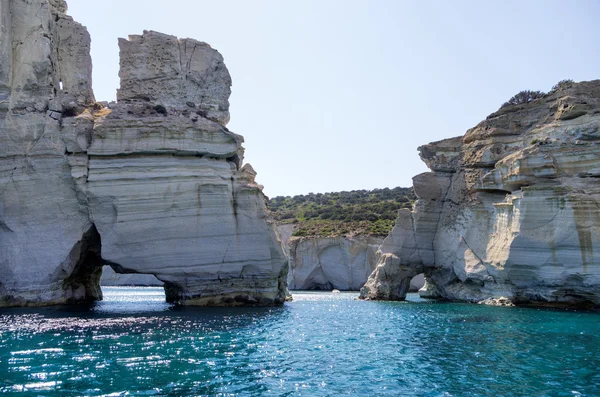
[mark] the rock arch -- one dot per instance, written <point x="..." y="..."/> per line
<point x="154" y="183"/>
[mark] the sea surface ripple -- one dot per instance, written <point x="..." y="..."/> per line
<point x="321" y="344"/>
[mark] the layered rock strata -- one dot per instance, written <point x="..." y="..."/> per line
<point x="316" y="263"/>
<point x="326" y="263"/>
<point x="510" y="211"/>
<point x="153" y="184"/>
<point x="110" y="278"/>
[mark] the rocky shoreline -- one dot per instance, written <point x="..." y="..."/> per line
<point x="509" y="211"/>
<point x="156" y="185"/>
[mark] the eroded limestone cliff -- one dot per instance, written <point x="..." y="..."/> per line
<point x="326" y="263"/>
<point x="152" y="184"/>
<point x="510" y="210"/>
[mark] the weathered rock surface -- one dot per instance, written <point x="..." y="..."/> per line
<point x="154" y="184"/>
<point x="510" y="211"/>
<point x="46" y="237"/>
<point x="175" y="72"/>
<point x="110" y="278"/>
<point x="326" y="263"/>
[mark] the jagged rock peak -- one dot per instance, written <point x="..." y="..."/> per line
<point x="46" y="64"/>
<point x="510" y="210"/>
<point x="59" y="6"/>
<point x="180" y="73"/>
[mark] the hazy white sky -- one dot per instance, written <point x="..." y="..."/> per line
<point x="338" y="94"/>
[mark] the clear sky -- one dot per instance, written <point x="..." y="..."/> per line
<point x="337" y="95"/>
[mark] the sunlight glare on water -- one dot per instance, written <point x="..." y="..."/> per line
<point x="322" y="344"/>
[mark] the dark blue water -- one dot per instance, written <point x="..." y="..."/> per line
<point x="321" y="344"/>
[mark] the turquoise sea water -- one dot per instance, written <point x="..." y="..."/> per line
<point x="322" y="344"/>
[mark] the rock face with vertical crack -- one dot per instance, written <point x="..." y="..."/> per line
<point x="511" y="210"/>
<point x="153" y="184"/>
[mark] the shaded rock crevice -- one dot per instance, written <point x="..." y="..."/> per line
<point x="83" y="282"/>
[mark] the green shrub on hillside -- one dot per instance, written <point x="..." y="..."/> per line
<point x="523" y="97"/>
<point x="340" y="213"/>
<point x="566" y="83"/>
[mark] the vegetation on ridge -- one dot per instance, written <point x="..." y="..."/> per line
<point x="526" y="96"/>
<point x="566" y="83"/>
<point x="370" y="212"/>
<point x="523" y="97"/>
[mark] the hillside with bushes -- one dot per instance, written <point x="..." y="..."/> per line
<point x="370" y="212"/>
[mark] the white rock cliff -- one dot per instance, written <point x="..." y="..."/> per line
<point x="510" y="211"/>
<point x="326" y="263"/>
<point x="154" y="184"/>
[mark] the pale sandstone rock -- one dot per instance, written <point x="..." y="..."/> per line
<point x="110" y="278"/>
<point x="212" y="221"/>
<point x="139" y="129"/>
<point x="49" y="249"/>
<point x="416" y="283"/>
<point x="330" y="263"/>
<point x="510" y="212"/>
<point x="285" y="232"/>
<point x="175" y="72"/>
<point x="154" y="184"/>
<point x="326" y="263"/>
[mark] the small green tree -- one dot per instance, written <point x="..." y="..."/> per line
<point x="566" y="83"/>
<point x="523" y="97"/>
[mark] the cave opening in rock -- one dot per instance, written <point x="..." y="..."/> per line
<point x="314" y="286"/>
<point x="90" y="272"/>
<point x="83" y="282"/>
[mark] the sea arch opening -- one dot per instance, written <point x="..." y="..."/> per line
<point x="89" y="274"/>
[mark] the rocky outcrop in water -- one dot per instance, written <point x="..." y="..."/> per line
<point x="316" y="263"/>
<point x="510" y="211"/>
<point x="153" y="184"/>
<point x="326" y="263"/>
